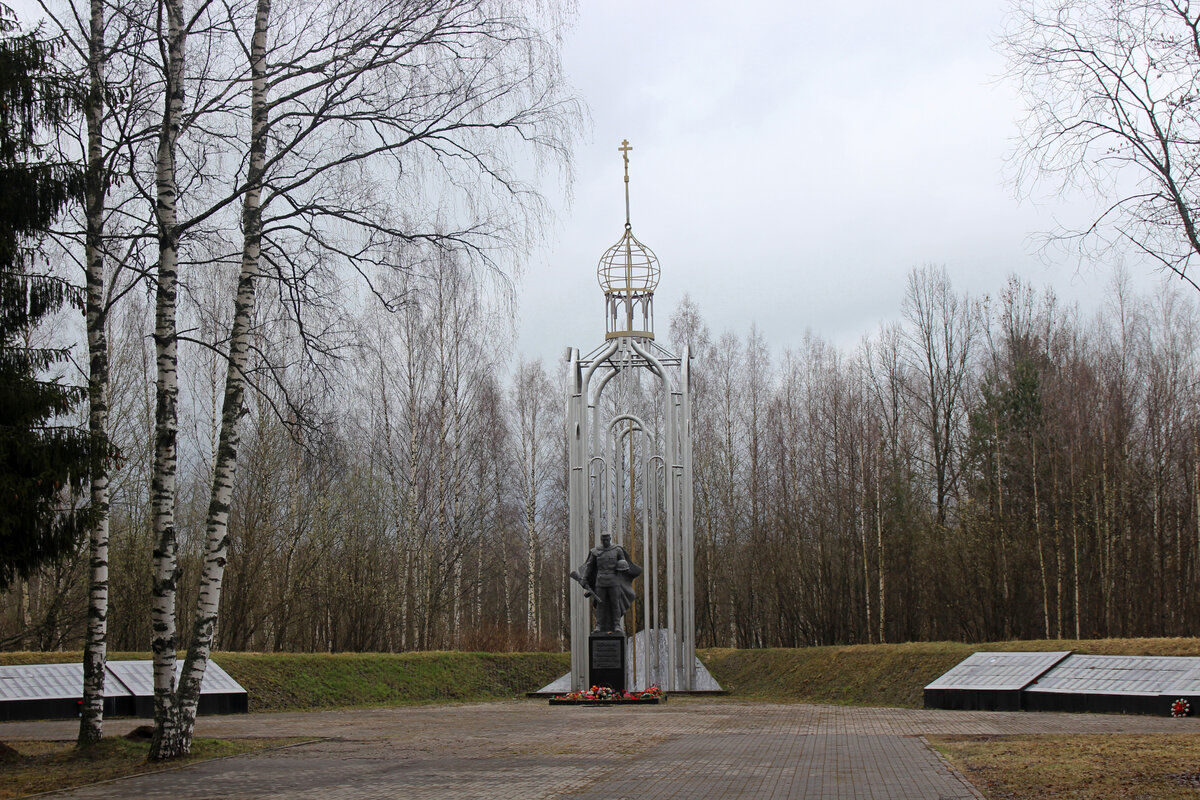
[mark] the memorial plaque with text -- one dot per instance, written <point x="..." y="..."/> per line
<point x="606" y="660"/>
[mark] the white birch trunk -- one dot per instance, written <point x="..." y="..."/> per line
<point x="408" y="638"/>
<point x="531" y="541"/>
<point x="881" y="586"/>
<point x="478" y="605"/>
<point x="863" y="505"/>
<point x="456" y="499"/>
<point x="1075" y="546"/>
<point x="91" y="718"/>
<point x="456" y="628"/>
<point x="23" y="601"/>
<point x="1059" y="561"/>
<point x="1041" y="549"/>
<point x="216" y="546"/>
<point x="165" y="742"/>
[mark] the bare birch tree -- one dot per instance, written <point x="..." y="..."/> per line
<point x="1112" y="89"/>
<point x="939" y="336"/>
<point x="449" y="78"/>
<point x="105" y="238"/>
<point x="166" y="423"/>
<point x="886" y="380"/>
<point x="533" y="401"/>
<point x="91" y="712"/>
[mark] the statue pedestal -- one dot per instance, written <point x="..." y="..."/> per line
<point x="606" y="660"/>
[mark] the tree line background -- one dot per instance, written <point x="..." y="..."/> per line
<point x="984" y="468"/>
<point x="297" y="229"/>
<point x="299" y="235"/>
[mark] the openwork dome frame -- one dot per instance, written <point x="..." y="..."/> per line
<point x="628" y="267"/>
<point x="628" y="274"/>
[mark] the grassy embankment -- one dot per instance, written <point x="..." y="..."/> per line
<point x="867" y="675"/>
<point x="885" y="674"/>
<point x="307" y="681"/>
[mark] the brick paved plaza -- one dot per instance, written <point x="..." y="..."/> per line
<point x="690" y="747"/>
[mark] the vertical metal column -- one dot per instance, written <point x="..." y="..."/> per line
<point x="686" y="521"/>
<point x="580" y="465"/>
<point x="647" y="511"/>
<point x="616" y="486"/>
<point x="577" y="497"/>
<point x="657" y="529"/>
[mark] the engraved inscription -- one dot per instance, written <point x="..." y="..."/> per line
<point x="606" y="654"/>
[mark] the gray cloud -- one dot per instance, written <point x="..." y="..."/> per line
<point x="792" y="162"/>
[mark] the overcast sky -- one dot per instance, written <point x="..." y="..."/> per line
<point x="792" y="162"/>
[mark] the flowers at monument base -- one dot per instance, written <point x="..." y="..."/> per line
<point x="1181" y="708"/>
<point x="603" y="694"/>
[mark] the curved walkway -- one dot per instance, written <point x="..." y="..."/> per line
<point x="689" y="747"/>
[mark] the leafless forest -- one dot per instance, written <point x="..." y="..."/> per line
<point x="300" y="231"/>
<point x="988" y="467"/>
<point x="298" y="235"/>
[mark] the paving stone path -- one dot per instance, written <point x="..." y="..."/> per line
<point x="688" y="748"/>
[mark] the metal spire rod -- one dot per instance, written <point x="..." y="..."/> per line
<point x="625" y="148"/>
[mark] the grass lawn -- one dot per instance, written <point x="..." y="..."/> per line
<point x="40" y="766"/>
<point x="309" y="681"/>
<point x="1081" y="767"/>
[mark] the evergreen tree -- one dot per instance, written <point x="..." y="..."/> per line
<point x="43" y="463"/>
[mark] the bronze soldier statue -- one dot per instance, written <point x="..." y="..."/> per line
<point x="607" y="577"/>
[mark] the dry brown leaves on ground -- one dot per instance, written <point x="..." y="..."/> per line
<point x="1082" y="767"/>
<point x="39" y="766"/>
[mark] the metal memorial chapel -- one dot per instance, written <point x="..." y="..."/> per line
<point x="631" y="474"/>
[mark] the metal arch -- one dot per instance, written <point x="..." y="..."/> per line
<point x="597" y="489"/>
<point x="616" y="502"/>
<point x="613" y="439"/>
<point x="650" y="664"/>
<point x="632" y="418"/>
<point x="665" y="489"/>
<point x="596" y="444"/>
